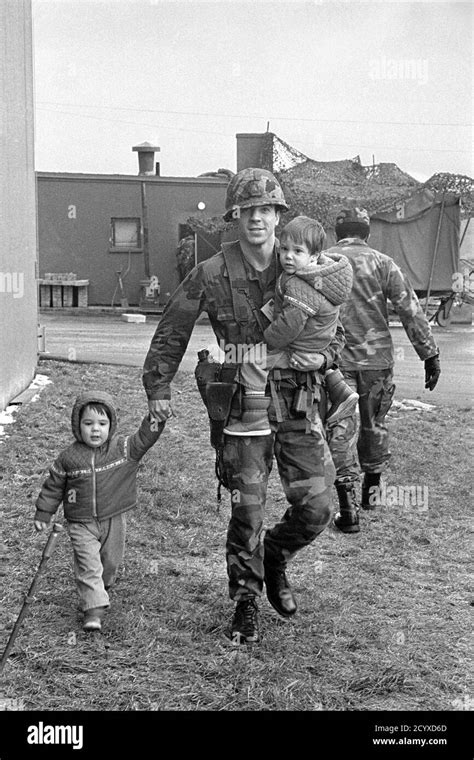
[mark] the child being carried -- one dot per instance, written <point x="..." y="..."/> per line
<point x="308" y="295"/>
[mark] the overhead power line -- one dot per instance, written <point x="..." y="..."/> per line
<point x="257" y="116"/>
<point x="224" y="134"/>
<point x="134" y="123"/>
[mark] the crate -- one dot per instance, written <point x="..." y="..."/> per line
<point x="63" y="291"/>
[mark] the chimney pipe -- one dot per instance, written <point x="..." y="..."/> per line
<point x="146" y="156"/>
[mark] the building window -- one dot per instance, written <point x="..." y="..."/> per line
<point x="125" y="234"/>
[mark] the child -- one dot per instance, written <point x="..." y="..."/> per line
<point x="95" y="478"/>
<point x="307" y="299"/>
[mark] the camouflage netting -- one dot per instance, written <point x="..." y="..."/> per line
<point x="321" y="188"/>
<point x="208" y="225"/>
<point x="284" y="156"/>
<point x="220" y="173"/>
<point x="185" y="256"/>
<point x="455" y="183"/>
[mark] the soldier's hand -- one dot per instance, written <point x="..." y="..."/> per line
<point x="432" y="371"/>
<point x="40" y="525"/>
<point x="160" y="409"/>
<point x="307" y="361"/>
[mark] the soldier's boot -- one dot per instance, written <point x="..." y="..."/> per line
<point x="347" y="519"/>
<point x="279" y="592"/>
<point x="254" y="420"/>
<point x="370" y="490"/>
<point x="244" y="627"/>
<point x="343" y="398"/>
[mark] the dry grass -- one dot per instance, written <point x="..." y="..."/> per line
<point x="383" y="615"/>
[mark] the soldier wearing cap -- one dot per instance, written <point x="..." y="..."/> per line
<point x="367" y="362"/>
<point x="254" y="199"/>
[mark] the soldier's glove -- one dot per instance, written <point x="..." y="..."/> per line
<point x="432" y="371"/>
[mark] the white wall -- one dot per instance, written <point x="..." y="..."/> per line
<point x="18" y="290"/>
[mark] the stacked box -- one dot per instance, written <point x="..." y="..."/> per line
<point x="57" y="293"/>
<point x="67" y="296"/>
<point x="45" y="295"/>
<point x="82" y="296"/>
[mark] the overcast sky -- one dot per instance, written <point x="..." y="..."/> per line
<point x="333" y="79"/>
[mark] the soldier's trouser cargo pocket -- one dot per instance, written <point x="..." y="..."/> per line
<point x="376" y="389"/>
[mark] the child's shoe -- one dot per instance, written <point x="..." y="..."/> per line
<point x="93" y="619"/>
<point x="254" y="420"/>
<point x="343" y="399"/>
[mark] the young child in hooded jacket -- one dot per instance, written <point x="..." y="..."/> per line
<point x="95" y="478"/>
<point x="308" y="295"/>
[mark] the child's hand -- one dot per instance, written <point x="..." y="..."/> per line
<point x="40" y="525"/>
<point x="306" y="361"/>
<point x="161" y="409"/>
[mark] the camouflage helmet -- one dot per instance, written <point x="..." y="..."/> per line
<point x="253" y="187"/>
<point x="356" y="214"/>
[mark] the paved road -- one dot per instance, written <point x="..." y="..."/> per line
<point x="104" y="337"/>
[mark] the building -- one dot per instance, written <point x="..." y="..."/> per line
<point x="96" y="226"/>
<point x="18" y="291"/>
<point x="102" y="227"/>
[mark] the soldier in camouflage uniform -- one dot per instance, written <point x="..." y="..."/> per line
<point x="307" y="472"/>
<point x="367" y="362"/>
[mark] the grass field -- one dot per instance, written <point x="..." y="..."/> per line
<point x="383" y="620"/>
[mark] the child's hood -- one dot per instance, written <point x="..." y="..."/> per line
<point x="90" y="397"/>
<point x="331" y="275"/>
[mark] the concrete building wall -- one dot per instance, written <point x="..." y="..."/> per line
<point x="18" y="289"/>
<point x="74" y="217"/>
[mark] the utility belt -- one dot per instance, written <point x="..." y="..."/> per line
<point x="293" y="395"/>
<point x="222" y="394"/>
<point x="298" y="391"/>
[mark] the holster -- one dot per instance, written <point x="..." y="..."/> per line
<point x="218" y="401"/>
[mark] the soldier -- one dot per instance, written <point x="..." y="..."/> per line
<point x="307" y="472"/>
<point x="367" y="362"/>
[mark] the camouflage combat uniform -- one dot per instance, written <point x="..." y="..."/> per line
<point x="367" y="359"/>
<point x="305" y="465"/>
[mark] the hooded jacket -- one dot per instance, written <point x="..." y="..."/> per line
<point x="307" y="304"/>
<point x="96" y="482"/>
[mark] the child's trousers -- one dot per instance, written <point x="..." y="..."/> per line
<point x="98" y="548"/>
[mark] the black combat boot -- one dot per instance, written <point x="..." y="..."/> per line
<point x="347" y="519"/>
<point x="279" y="593"/>
<point x="370" y="496"/>
<point x="244" y="626"/>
